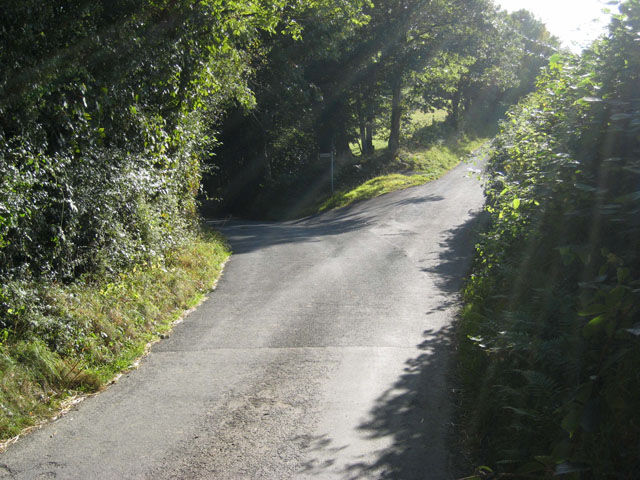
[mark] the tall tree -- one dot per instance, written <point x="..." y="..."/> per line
<point x="410" y="33"/>
<point x="490" y="69"/>
<point x="303" y="106"/>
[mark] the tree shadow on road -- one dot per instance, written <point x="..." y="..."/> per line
<point x="455" y="259"/>
<point x="458" y="247"/>
<point x="248" y="236"/>
<point x="414" y="413"/>
<point x="417" y="411"/>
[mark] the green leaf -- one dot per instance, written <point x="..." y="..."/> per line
<point x="615" y="296"/>
<point x="570" y="422"/>
<point x="561" y="451"/>
<point x="516" y="203"/>
<point x="623" y="274"/>
<point x="595" y="309"/>
<point x="594" y="326"/>
<point x="531" y="467"/>
<point x="556" y="60"/>
<point x="545" y="459"/>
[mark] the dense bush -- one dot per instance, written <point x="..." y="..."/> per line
<point x="552" y="354"/>
<point x="106" y="110"/>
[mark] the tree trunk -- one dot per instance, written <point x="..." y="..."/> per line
<point x="363" y="132"/>
<point x="368" y="144"/>
<point x="342" y="148"/>
<point x="455" y="107"/>
<point x="396" y="116"/>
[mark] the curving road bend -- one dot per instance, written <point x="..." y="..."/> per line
<point x="323" y="353"/>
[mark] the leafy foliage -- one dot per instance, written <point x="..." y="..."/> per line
<point x="552" y="353"/>
<point x="354" y="74"/>
<point x="422" y="164"/>
<point x="106" y="111"/>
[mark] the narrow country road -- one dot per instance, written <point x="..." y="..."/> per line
<point x="323" y="354"/>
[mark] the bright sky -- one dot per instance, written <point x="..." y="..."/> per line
<point x="575" y="22"/>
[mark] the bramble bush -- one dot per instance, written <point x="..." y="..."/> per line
<point x="106" y="112"/>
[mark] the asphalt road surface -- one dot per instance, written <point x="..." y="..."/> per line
<point x="323" y="353"/>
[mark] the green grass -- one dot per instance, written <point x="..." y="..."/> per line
<point x="438" y="158"/>
<point x="411" y="167"/>
<point x="379" y="144"/>
<point x="373" y="188"/>
<point x="416" y="120"/>
<point x="108" y="325"/>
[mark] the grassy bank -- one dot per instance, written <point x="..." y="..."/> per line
<point x="410" y="167"/>
<point x="77" y="337"/>
<point x="373" y="188"/>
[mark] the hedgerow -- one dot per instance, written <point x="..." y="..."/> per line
<point x="550" y="335"/>
<point x="107" y="110"/>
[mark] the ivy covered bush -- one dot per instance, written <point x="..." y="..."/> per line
<point x="551" y="347"/>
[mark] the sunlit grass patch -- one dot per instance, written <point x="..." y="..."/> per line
<point x="411" y="167"/>
<point x="440" y="157"/>
<point x="379" y="145"/>
<point x="373" y="188"/>
<point x="415" y="120"/>
<point x="418" y="118"/>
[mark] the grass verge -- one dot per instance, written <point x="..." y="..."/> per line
<point x="410" y="167"/>
<point x="99" y="326"/>
<point x="373" y="188"/>
<point x="440" y="157"/>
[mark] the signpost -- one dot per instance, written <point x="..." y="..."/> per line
<point x="328" y="155"/>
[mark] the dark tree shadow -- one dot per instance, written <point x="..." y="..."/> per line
<point x="246" y="235"/>
<point x="417" y="411"/>
<point x="457" y="254"/>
